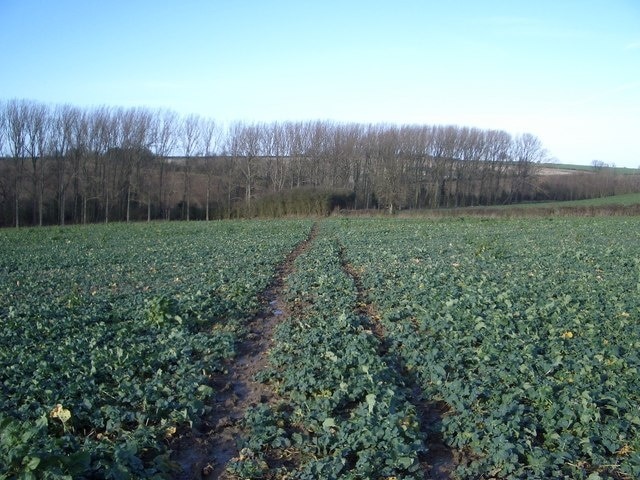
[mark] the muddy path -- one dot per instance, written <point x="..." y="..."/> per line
<point x="439" y="461"/>
<point x="205" y="453"/>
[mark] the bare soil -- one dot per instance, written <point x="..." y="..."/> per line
<point x="204" y="454"/>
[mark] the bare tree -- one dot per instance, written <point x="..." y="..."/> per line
<point x="274" y="147"/>
<point x="389" y="168"/>
<point x="78" y="165"/>
<point x="244" y="143"/>
<point x="190" y="139"/>
<point x="527" y="154"/>
<point x="37" y="130"/>
<point x="17" y="117"/>
<point x="211" y="133"/>
<point x="297" y="141"/>
<point x="3" y="126"/>
<point x="164" y="139"/>
<point x="497" y="159"/>
<point x="60" y="141"/>
<point x="4" y="173"/>
<point x="416" y="141"/>
<point x="345" y="148"/>
<point x="105" y="133"/>
<point x="135" y="143"/>
<point x="318" y="136"/>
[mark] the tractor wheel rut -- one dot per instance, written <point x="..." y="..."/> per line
<point x="439" y="461"/>
<point x="204" y="454"/>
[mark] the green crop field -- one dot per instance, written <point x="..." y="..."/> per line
<point x="623" y="200"/>
<point x="528" y="331"/>
<point x="489" y="348"/>
<point x="122" y="327"/>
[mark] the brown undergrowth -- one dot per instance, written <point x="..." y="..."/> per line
<point x="204" y="454"/>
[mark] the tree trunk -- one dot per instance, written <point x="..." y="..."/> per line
<point x="62" y="206"/>
<point x="128" y="201"/>
<point x="207" y="205"/>
<point x="17" y="208"/>
<point x="106" y="207"/>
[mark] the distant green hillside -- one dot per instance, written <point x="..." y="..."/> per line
<point x="625" y="200"/>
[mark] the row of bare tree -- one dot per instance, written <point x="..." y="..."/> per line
<point x="65" y="164"/>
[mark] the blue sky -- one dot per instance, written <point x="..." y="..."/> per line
<point x="567" y="71"/>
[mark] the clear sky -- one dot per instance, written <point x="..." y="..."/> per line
<point x="567" y="71"/>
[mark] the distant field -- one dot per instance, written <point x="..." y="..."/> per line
<point x="624" y="200"/>
<point x="586" y="168"/>
<point x="627" y="205"/>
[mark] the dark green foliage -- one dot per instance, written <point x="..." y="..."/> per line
<point x="122" y="327"/>
<point x="346" y="412"/>
<point x="528" y="330"/>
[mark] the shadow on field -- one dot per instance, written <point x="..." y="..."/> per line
<point x="439" y="461"/>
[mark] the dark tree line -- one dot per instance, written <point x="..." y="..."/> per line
<point x="64" y="164"/>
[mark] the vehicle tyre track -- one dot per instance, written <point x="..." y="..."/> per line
<point x="439" y="461"/>
<point x="205" y="453"/>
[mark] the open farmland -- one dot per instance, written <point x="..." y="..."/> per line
<point x="528" y="332"/>
<point x="404" y="348"/>
<point x="123" y="327"/>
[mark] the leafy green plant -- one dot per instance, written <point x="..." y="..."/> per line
<point x="527" y="330"/>
<point x="347" y="413"/>
<point x="110" y="335"/>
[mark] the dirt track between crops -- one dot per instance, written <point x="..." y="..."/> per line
<point x="439" y="461"/>
<point x="205" y="454"/>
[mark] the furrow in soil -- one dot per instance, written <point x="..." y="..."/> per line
<point x="439" y="461"/>
<point x="204" y="454"/>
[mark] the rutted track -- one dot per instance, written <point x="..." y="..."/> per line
<point x="438" y="461"/>
<point x="209" y="453"/>
<point x="206" y="453"/>
<point x="344" y="410"/>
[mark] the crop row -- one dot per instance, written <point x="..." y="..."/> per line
<point x="530" y="333"/>
<point x="109" y="335"/>
<point x="344" y="410"/>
